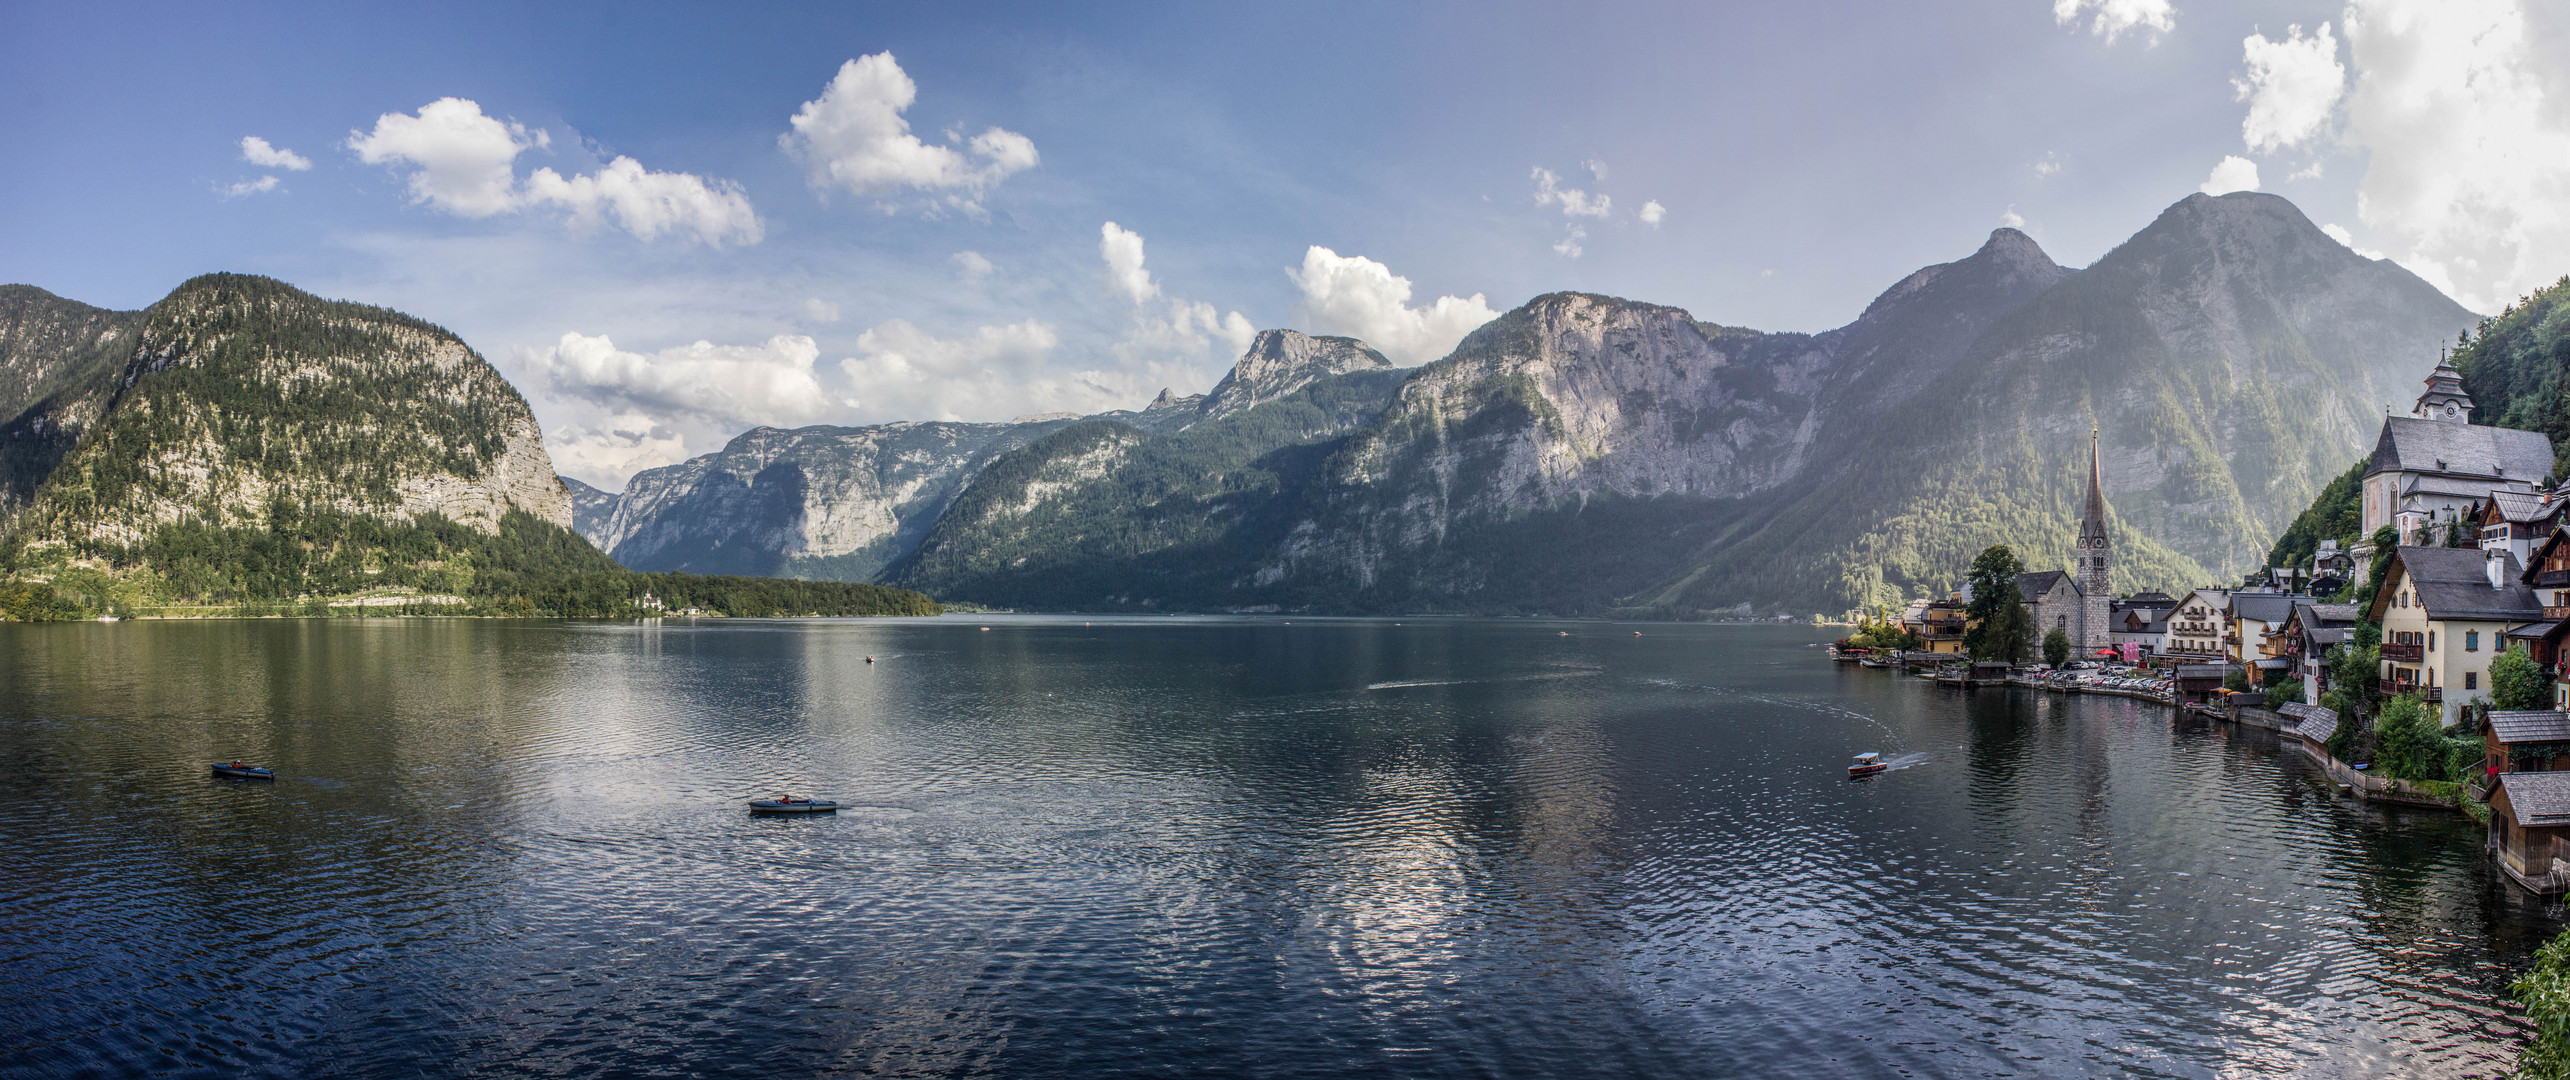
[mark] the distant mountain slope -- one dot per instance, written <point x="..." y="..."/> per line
<point x="1585" y="453"/>
<point x="591" y="510"/>
<point x="829" y="503"/>
<point x="57" y="359"/>
<point x="842" y="504"/>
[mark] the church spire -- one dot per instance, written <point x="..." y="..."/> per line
<point x="2092" y="525"/>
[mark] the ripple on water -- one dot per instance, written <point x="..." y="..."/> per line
<point x="1186" y="847"/>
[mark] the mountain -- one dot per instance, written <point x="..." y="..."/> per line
<point x="829" y="503"/>
<point x="591" y="510"/>
<point x="841" y="503"/>
<point x="1587" y="453"/>
<point x="242" y="442"/>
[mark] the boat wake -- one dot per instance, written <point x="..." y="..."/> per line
<point x="1406" y="683"/>
<point x="1899" y="762"/>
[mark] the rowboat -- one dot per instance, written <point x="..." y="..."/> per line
<point x="239" y="771"/>
<point x="1866" y="765"/>
<point x="788" y="805"/>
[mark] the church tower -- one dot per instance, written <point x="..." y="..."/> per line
<point x="2444" y="398"/>
<point x="2095" y="554"/>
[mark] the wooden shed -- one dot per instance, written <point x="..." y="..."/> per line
<point x="2529" y="817"/>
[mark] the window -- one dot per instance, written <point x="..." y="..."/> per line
<point x="2431" y="641"/>
<point x="2471" y="680"/>
<point x="2471" y="641"/>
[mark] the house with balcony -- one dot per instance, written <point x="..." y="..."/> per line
<point x="1939" y="623"/>
<point x="2253" y="619"/>
<point x="2141" y="620"/>
<point x="2519" y="522"/>
<point x="2306" y="637"/>
<point x="2445" y="612"/>
<point x="2197" y="626"/>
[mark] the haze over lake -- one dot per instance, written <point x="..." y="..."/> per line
<point x="1186" y="847"/>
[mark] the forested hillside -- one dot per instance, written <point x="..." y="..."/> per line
<point x="245" y="446"/>
<point x="2516" y="366"/>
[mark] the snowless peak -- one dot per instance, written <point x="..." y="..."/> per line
<point x="2016" y="249"/>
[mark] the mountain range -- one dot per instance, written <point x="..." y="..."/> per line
<point x="243" y="440"/>
<point x="1586" y="453"/>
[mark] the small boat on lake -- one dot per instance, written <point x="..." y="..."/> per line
<point x="1866" y="765"/>
<point x="786" y="804"/>
<point x="242" y="771"/>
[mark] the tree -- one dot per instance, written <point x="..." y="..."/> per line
<point x="2284" y="691"/>
<point x="2410" y="746"/>
<point x="2056" y="647"/>
<point x="2518" y="683"/>
<point x="2545" y="993"/>
<point x="2386" y="540"/>
<point x="1996" y="626"/>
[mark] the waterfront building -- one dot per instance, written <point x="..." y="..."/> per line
<point x="1939" y="623"/>
<point x="2053" y="603"/>
<point x="2254" y="618"/>
<point x="2529" y="816"/>
<point x="2445" y="612"/>
<point x="2433" y="470"/>
<point x="2140" y="620"/>
<point x="2196" y="626"/>
<point x="2527" y="742"/>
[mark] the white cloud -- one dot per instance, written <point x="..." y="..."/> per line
<point x="1573" y="201"/>
<point x="2466" y="124"/>
<point x="2114" y="17"/>
<point x="972" y="265"/>
<point x="2050" y="164"/>
<point x="853" y="138"/>
<point x="2012" y="219"/>
<point x="1361" y="298"/>
<point x="819" y="310"/>
<point x="648" y="204"/>
<point x="2291" y="87"/>
<point x="461" y="160"/>
<point x="248" y="187"/>
<point x="256" y="151"/>
<point x="464" y="163"/>
<point x="1570" y="246"/>
<point x="993" y="373"/>
<point x="1188" y="328"/>
<point x="608" y="452"/>
<point x="2233" y="173"/>
<point x="743" y="385"/>
<point x="1596" y="169"/>
<point x="1652" y="212"/>
<point x="1122" y="249"/>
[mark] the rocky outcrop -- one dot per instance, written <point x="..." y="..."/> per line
<point x="1280" y="362"/>
<point x="591" y="510"/>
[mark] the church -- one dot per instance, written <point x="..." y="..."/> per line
<point x="2076" y="601"/>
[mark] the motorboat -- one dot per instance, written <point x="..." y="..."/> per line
<point x="1866" y="765"/>
<point x="242" y="771"/>
<point x="787" y="804"/>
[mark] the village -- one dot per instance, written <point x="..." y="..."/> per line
<point x="2419" y="663"/>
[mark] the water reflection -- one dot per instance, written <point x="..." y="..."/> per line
<point x="1187" y="846"/>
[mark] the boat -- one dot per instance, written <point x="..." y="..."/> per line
<point x="242" y="771"/>
<point x="787" y="804"/>
<point x="1866" y="765"/>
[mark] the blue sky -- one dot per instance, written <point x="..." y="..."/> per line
<point x="660" y="258"/>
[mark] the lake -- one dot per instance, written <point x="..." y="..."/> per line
<point x="1186" y="847"/>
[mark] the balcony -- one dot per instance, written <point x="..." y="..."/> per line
<point x="2552" y="612"/>
<point x="2550" y="578"/>
<point x="2433" y="695"/>
<point x="2404" y="654"/>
